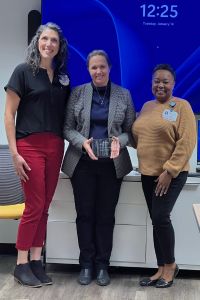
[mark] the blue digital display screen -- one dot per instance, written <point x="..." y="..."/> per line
<point x="137" y="35"/>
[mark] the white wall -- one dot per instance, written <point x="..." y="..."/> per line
<point x="14" y="35"/>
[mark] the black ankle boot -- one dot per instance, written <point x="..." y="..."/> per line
<point x="38" y="271"/>
<point x="25" y="276"/>
<point x="102" y="277"/>
<point x="85" y="276"/>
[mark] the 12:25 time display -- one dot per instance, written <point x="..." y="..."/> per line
<point x="162" y="11"/>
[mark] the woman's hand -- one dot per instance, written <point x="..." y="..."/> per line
<point x="88" y="149"/>
<point x="21" y="167"/>
<point x="163" y="183"/>
<point x="115" y="147"/>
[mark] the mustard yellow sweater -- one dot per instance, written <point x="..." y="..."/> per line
<point x="164" y="144"/>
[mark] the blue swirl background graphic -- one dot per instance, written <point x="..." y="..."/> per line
<point x="135" y="42"/>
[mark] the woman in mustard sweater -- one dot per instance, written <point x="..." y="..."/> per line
<point x="165" y="135"/>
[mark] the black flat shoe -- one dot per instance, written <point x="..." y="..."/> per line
<point x="38" y="271"/>
<point x="85" y="276"/>
<point x="24" y="276"/>
<point x="102" y="277"/>
<point x="162" y="283"/>
<point x="176" y="271"/>
<point x="148" y="282"/>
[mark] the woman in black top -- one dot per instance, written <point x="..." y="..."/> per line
<point x="37" y="93"/>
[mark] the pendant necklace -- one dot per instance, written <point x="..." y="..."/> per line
<point x="102" y="98"/>
<point x="172" y="104"/>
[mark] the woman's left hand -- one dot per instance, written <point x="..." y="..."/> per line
<point x="115" y="147"/>
<point x="163" y="183"/>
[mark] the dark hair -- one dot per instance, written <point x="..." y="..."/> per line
<point x="98" y="52"/>
<point x="33" y="55"/>
<point x="166" y="67"/>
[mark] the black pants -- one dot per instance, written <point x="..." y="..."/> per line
<point x="96" y="192"/>
<point x="160" y="209"/>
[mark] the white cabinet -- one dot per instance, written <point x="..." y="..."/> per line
<point x="129" y="240"/>
<point x="62" y="243"/>
<point x="132" y="241"/>
<point x="128" y="245"/>
<point x="8" y="231"/>
<point x="187" y="247"/>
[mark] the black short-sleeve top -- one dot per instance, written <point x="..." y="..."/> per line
<point x="42" y="103"/>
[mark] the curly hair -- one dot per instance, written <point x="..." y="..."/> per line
<point x="33" y="57"/>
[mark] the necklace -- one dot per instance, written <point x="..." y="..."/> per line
<point x="104" y="95"/>
<point x="172" y="104"/>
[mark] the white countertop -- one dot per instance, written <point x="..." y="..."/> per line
<point x="135" y="176"/>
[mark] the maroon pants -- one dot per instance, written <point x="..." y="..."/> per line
<point x="43" y="153"/>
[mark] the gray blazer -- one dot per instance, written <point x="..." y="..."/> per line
<point x="77" y="125"/>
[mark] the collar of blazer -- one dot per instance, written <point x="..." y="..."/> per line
<point x="115" y="93"/>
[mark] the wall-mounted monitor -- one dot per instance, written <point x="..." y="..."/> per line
<point x="137" y="34"/>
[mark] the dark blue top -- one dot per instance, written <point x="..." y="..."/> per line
<point x="99" y="112"/>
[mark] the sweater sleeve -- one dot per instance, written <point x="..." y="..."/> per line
<point x="185" y="143"/>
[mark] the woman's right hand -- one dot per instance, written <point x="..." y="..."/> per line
<point x="88" y="149"/>
<point x="163" y="183"/>
<point x="21" y="167"/>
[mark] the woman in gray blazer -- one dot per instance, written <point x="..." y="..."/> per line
<point x="97" y="125"/>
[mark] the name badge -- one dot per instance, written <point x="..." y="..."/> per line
<point x="169" y="115"/>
